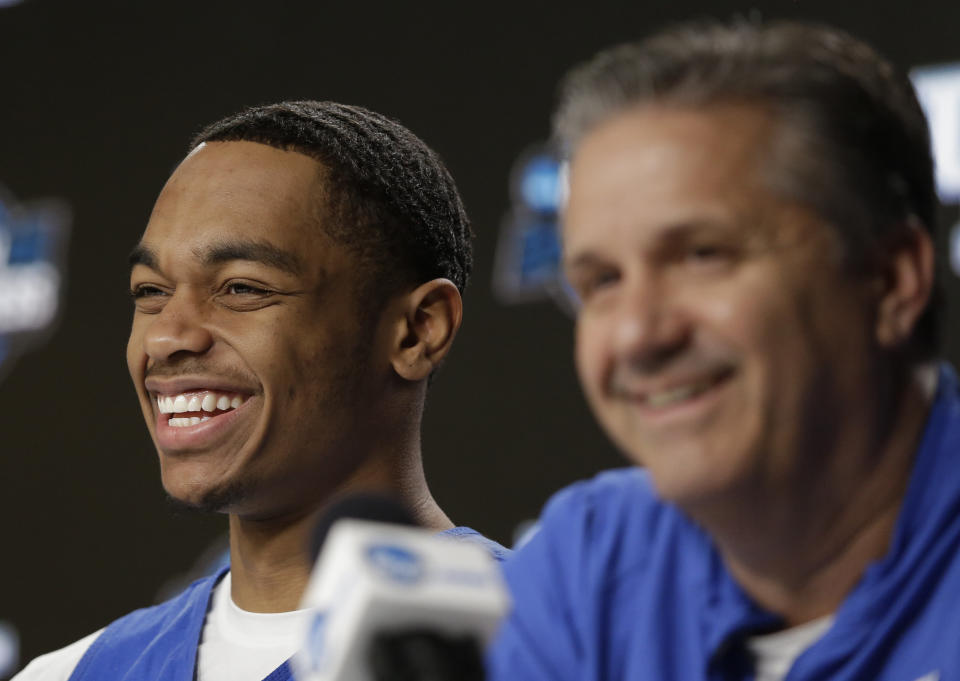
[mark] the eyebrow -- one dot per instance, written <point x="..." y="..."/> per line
<point x="141" y="255"/>
<point x="670" y="235"/>
<point x="228" y="251"/>
<point x="580" y="260"/>
<point x="253" y="251"/>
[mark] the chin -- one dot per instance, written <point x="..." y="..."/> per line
<point x="705" y="492"/>
<point x="683" y="490"/>
<point x="688" y="476"/>
<point x="197" y="496"/>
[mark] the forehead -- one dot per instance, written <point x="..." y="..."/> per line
<point x="238" y="190"/>
<point x="657" y="165"/>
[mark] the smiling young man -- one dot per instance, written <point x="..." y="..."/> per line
<point x="297" y="283"/>
<point x="749" y="233"/>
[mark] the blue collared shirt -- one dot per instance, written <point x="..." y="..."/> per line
<point x="618" y="585"/>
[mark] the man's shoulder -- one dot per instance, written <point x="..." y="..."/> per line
<point x="606" y="552"/>
<point x="57" y="665"/>
<point x="604" y="527"/>
<point x="145" y="621"/>
<point x="499" y="552"/>
<point x="129" y="631"/>
<point x="610" y="502"/>
<point x="607" y="489"/>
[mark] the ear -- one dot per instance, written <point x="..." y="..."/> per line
<point x="431" y="317"/>
<point x="907" y="275"/>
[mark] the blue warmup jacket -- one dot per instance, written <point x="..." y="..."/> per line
<point x="161" y="642"/>
<point x="618" y="585"/>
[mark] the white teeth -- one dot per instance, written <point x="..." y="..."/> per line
<point x="684" y="392"/>
<point x="209" y="402"/>
<point x="184" y="421"/>
<point x="206" y="401"/>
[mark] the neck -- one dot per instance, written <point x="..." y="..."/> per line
<point x="800" y="547"/>
<point x="269" y="561"/>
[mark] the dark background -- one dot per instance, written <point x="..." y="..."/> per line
<point x="97" y="102"/>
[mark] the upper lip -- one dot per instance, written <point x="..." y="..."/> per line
<point x="184" y="384"/>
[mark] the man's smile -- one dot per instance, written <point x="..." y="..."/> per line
<point x="668" y="393"/>
<point x="192" y="417"/>
<point x="189" y="409"/>
<point x="674" y="402"/>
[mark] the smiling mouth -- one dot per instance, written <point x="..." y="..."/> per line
<point x="665" y="398"/>
<point x="190" y="409"/>
<point x="678" y="394"/>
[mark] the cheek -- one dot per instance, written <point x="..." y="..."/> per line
<point x="746" y="316"/>
<point x="304" y="370"/>
<point x="590" y="355"/>
<point x="726" y="310"/>
<point x="134" y="355"/>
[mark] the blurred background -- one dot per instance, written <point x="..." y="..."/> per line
<point x="97" y="102"/>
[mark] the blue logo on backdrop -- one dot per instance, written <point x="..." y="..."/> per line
<point x="32" y="248"/>
<point x="527" y="265"/>
<point x="396" y="563"/>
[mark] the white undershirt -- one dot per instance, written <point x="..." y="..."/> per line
<point x="237" y="645"/>
<point x="774" y="654"/>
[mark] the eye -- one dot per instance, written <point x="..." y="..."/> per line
<point x="593" y="282"/>
<point x="704" y="252"/>
<point x="241" y="288"/>
<point x="145" y="291"/>
<point x="710" y="254"/>
<point x="148" y="298"/>
<point x="242" y="295"/>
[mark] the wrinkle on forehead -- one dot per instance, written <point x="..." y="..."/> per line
<point x="718" y="151"/>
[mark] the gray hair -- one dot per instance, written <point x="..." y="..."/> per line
<point x="852" y="143"/>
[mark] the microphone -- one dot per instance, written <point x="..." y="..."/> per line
<point x="395" y="603"/>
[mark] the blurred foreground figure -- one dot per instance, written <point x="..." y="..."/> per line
<point x="297" y="283"/>
<point x="749" y="232"/>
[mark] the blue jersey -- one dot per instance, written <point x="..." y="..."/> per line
<point x="618" y="585"/>
<point x="161" y="642"/>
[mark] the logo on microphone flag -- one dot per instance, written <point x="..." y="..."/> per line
<point x="396" y="563"/>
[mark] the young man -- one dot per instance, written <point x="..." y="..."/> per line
<point x="749" y="233"/>
<point x="297" y="284"/>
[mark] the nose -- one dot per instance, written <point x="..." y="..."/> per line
<point x="649" y="326"/>
<point x="178" y="328"/>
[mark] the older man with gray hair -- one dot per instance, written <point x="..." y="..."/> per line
<point x="749" y="234"/>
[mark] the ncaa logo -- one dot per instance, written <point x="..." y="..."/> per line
<point x="316" y="645"/>
<point x="396" y="563"/>
<point x="32" y="248"/>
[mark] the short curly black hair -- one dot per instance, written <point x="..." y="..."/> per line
<point x="389" y="196"/>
